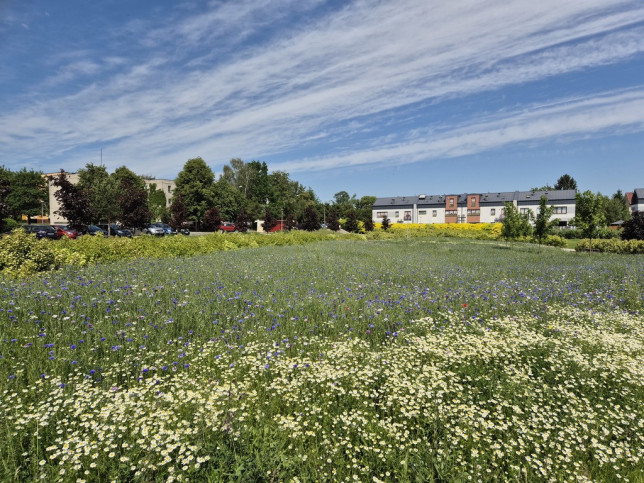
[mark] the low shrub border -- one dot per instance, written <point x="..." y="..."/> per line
<point x="611" y="246"/>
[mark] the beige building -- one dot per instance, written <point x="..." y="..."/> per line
<point x="54" y="206"/>
<point x="166" y="185"/>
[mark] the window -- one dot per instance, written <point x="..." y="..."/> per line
<point x="451" y="202"/>
<point x="561" y="210"/>
<point x="407" y="215"/>
<point x="422" y="212"/>
<point x="503" y="211"/>
<point x="473" y="201"/>
<point x="450" y="212"/>
<point x="434" y="213"/>
<point x="169" y="189"/>
<point x="381" y="214"/>
<point x="397" y="214"/>
<point x="473" y="212"/>
<point x="492" y="211"/>
<point x="525" y="211"/>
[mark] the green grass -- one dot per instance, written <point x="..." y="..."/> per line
<point x="396" y="360"/>
<point x="572" y="243"/>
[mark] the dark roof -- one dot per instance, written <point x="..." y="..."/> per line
<point x="496" y="198"/>
<point x="408" y="201"/>
<point x="552" y="195"/>
<point x="639" y="194"/>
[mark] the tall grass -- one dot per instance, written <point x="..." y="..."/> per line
<point x="411" y="360"/>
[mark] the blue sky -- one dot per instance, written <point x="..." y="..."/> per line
<point x="376" y="98"/>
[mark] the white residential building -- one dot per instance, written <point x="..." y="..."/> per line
<point x="471" y="207"/>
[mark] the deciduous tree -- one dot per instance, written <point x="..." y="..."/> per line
<point x="542" y="223"/>
<point x="27" y="195"/>
<point x="133" y="204"/>
<point x="311" y="221"/>
<point x="195" y="183"/>
<point x="74" y="203"/>
<point x="589" y="213"/>
<point x="633" y="229"/>
<point x="178" y="212"/>
<point x="212" y="219"/>
<point x="270" y="221"/>
<point x="243" y="221"/>
<point x="515" y="224"/>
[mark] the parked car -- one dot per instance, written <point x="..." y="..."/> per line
<point x="184" y="231"/>
<point x="154" y="229"/>
<point x="227" y="227"/>
<point x="95" y="231"/>
<point x="64" y="230"/>
<point x="115" y="230"/>
<point x="168" y="229"/>
<point x="42" y="231"/>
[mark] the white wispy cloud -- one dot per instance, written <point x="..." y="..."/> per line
<point x="618" y="113"/>
<point x="314" y="80"/>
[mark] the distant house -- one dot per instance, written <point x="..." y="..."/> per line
<point x="616" y="225"/>
<point x="471" y="207"/>
<point x="636" y="201"/>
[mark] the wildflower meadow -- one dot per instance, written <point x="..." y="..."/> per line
<point x="420" y="359"/>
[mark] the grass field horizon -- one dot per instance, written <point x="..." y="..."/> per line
<point x="424" y="359"/>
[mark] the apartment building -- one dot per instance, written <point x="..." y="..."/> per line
<point x="472" y="207"/>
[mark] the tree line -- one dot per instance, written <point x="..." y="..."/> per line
<point x="594" y="212"/>
<point x="244" y="192"/>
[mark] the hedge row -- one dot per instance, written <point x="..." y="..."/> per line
<point x="21" y="254"/>
<point x="611" y="246"/>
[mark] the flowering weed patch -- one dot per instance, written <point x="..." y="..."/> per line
<point x="398" y="360"/>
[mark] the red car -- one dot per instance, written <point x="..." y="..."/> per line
<point x="62" y="230"/>
<point x="227" y="227"/>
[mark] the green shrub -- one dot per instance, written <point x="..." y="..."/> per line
<point x="21" y="255"/>
<point x="10" y="224"/>
<point x="611" y="246"/>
